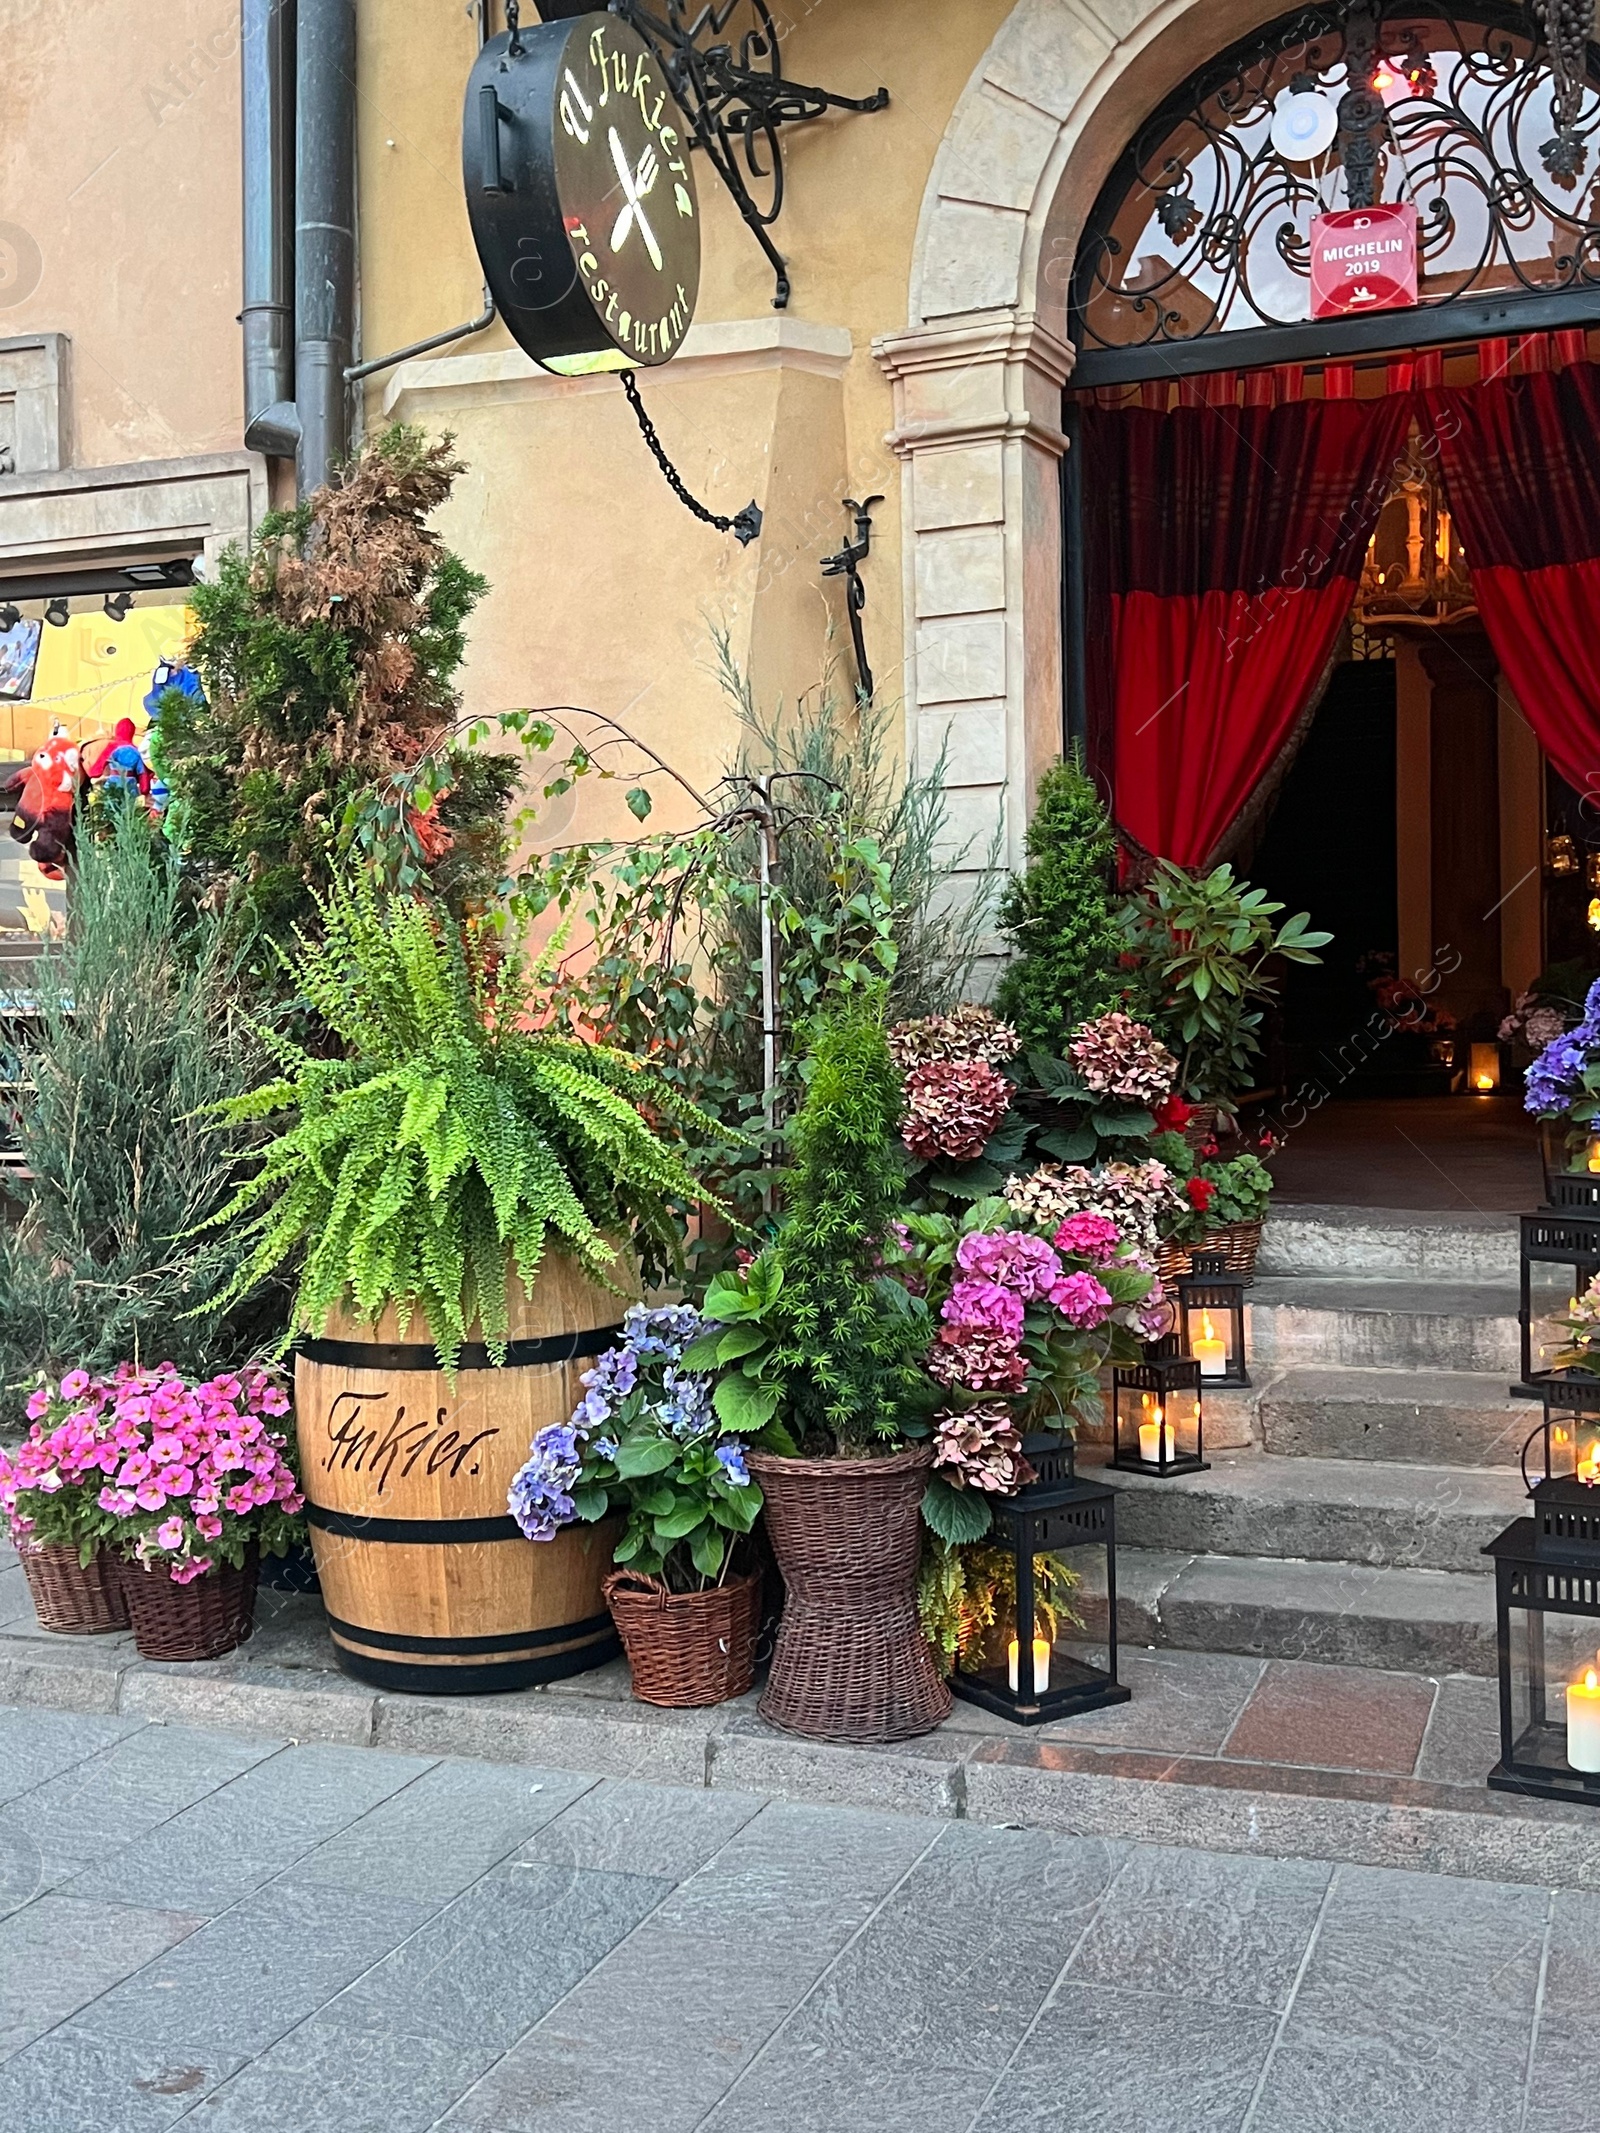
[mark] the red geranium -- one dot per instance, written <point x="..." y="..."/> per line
<point x="1201" y="1191"/>
<point x="1173" y="1114"/>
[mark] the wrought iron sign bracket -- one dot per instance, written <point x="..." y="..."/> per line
<point x="735" y="97"/>
<point x="847" y="565"/>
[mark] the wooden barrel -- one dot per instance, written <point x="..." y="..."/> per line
<point x="429" y="1583"/>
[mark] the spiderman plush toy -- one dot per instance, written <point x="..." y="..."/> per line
<point x="48" y="790"/>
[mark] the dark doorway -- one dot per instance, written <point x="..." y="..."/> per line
<point x="1329" y="848"/>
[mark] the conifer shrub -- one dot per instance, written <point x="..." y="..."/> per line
<point x="137" y="1032"/>
<point x="329" y="650"/>
<point x="1061" y="916"/>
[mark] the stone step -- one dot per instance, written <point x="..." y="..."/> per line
<point x="1349" y="1614"/>
<point x="1323" y="1510"/>
<point x="1367" y="1241"/>
<point x="1447" y="1418"/>
<point x="1384" y="1324"/>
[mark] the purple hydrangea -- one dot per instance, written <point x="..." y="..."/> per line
<point x="540" y="1496"/>
<point x="1554" y="1082"/>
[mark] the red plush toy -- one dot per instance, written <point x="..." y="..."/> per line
<point x="49" y="790"/>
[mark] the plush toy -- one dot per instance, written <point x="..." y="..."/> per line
<point x="48" y="791"/>
<point x="120" y="766"/>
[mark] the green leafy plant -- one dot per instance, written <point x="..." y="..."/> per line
<point x="454" y="1138"/>
<point x="815" y="1334"/>
<point x="1061" y="916"/>
<point x="328" y="652"/>
<point x="967" y="1599"/>
<point x="1219" y="1191"/>
<point x="1204" y="945"/>
<point x="135" y="1033"/>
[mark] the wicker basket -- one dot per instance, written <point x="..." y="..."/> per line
<point x="69" y="1597"/>
<point x="686" y="1649"/>
<point x="1202" y="1126"/>
<point x="202" y="1620"/>
<point x="1238" y="1243"/>
<point x="851" y="1661"/>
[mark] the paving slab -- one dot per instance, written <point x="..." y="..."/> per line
<point x="1347" y="1719"/>
<point x="68" y="2082"/>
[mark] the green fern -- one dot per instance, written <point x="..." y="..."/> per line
<point x="454" y="1137"/>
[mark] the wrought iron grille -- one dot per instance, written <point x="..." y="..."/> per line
<point x="1204" y="227"/>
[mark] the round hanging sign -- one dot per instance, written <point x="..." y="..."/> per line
<point x="581" y="194"/>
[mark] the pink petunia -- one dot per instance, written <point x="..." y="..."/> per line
<point x="176" y="1480"/>
<point x="150" y="1496"/>
<point x="209" y="1524"/>
<point x="240" y="1500"/>
<point x="185" y="1573"/>
<point x="75" y="1383"/>
<point x="170" y="1533"/>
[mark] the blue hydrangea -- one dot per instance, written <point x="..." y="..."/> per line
<point x="540" y="1497"/>
<point x="731" y="1457"/>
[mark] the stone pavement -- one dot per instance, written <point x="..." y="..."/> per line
<point x="247" y="1936"/>
<point x="1270" y="1757"/>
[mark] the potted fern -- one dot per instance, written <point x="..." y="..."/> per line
<point x="475" y="1195"/>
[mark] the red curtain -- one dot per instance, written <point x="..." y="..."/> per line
<point x="1224" y="546"/>
<point x="1521" y="463"/>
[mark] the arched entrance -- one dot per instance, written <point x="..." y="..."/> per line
<point x="1187" y="276"/>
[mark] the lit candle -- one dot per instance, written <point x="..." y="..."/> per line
<point x="1486" y="1083"/>
<point x="1210" y="1349"/>
<point x="1589" y="1467"/>
<point x="1041" y="1664"/>
<point x="1150" y="1440"/>
<point x="1593" y="1152"/>
<point x="1583" y="1723"/>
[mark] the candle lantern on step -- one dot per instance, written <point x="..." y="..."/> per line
<point x="1560" y="1256"/>
<point x="1547" y="1608"/>
<point x="1034" y="1667"/>
<point x="1156" y="1425"/>
<point x="1211" y="1321"/>
<point x="1483" y="1071"/>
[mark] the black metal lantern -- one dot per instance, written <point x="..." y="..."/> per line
<point x="1211" y="1320"/>
<point x="1547" y="1610"/>
<point x="1156" y="1425"/>
<point x="1026" y="1670"/>
<point x="1565" y="1491"/>
<point x="1560" y="1256"/>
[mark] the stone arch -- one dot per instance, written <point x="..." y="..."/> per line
<point x="977" y="374"/>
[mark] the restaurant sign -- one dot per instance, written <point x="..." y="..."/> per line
<point x="1364" y="259"/>
<point x="581" y="194"/>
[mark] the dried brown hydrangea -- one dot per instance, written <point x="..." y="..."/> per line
<point x="968" y="1032"/>
<point x="952" y="1107"/>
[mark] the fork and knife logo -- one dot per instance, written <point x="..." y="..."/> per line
<point x="637" y="182"/>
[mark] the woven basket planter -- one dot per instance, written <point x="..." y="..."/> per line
<point x="69" y="1597"/>
<point x="1202" y="1126"/>
<point x="1238" y="1243"/>
<point x="687" y="1649"/>
<point x="851" y="1662"/>
<point x="203" y="1620"/>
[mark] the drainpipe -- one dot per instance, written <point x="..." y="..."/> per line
<point x="267" y="58"/>
<point x="325" y="242"/>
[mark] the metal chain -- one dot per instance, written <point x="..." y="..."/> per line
<point x="745" y="525"/>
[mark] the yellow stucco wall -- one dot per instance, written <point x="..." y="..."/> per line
<point x="604" y="588"/>
<point x="119" y="166"/>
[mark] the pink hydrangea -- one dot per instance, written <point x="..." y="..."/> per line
<point x="1089" y="1236"/>
<point x="1082" y="1300"/>
<point x="985" y="1306"/>
<point x="1012" y="1259"/>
